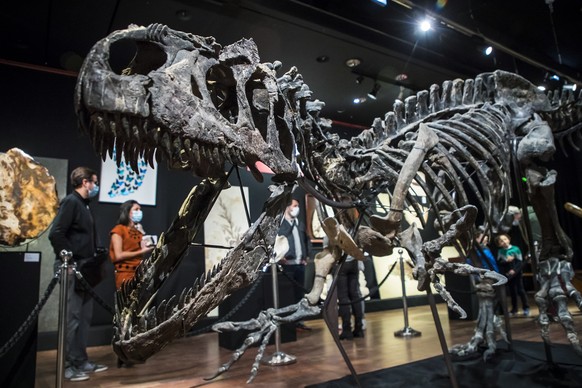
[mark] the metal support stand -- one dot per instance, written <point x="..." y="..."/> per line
<point x="65" y="257"/>
<point x="442" y="339"/>
<point x="407" y="331"/>
<point x="277" y="358"/>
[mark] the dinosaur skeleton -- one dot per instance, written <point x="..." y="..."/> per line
<point x="201" y="106"/>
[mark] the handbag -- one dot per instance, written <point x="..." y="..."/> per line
<point x="92" y="268"/>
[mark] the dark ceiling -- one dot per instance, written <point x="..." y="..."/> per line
<point x="536" y="38"/>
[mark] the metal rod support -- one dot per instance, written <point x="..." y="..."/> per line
<point x="407" y="331"/>
<point x="277" y="358"/>
<point x="62" y="339"/>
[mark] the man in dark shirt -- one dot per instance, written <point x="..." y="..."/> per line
<point x="74" y="230"/>
<point x="295" y="259"/>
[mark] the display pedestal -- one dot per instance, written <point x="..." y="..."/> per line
<point x="20" y="272"/>
<point x="261" y="299"/>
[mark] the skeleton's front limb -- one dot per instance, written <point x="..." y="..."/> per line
<point x="389" y="225"/>
<point x="324" y="261"/>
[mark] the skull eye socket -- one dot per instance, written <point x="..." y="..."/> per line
<point x="222" y="88"/>
<point x="143" y="57"/>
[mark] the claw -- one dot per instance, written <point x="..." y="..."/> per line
<point x="262" y="329"/>
<point x="451" y="303"/>
<point x="459" y="310"/>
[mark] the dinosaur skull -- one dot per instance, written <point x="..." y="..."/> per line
<point x="199" y="104"/>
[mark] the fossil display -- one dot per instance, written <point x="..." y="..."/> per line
<point x="200" y="107"/>
<point x="28" y="198"/>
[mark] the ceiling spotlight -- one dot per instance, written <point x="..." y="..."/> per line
<point x="571" y="87"/>
<point x="425" y="25"/>
<point x="542" y="88"/>
<point x="374" y="92"/>
<point x="360" y="79"/>
<point x="555" y="78"/>
<point x="359" y="100"/>
<point x="353" y="62"/>
<point x="488" y="50"/>
<point x="322" y="59"/>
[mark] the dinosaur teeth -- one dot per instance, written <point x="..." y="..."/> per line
<point x="151" y="319"/>
<point x="142" y="324"/>
<point x="176" y="147"/>
<point x="196" y="286"/>
<point x="196" y="153"/>
<point x="188" y="296"/>
<point x="186" y="152"/>
<point x="182" y="299"/>
<point x="119" y="151"/>
<point x="172" y="306"/>
<point x="166" y="145"/>
<point x="125" y="126"/>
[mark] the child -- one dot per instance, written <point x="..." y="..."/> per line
<point x="510" y="262"/>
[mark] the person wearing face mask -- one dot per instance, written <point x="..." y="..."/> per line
<point x="295" y="259"/>
<point x="128" y="246"/>
<point x="74" y="230"/>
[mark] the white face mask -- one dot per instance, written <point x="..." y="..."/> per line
<point x="294" y="212"/>
<point x="136" y="216"/>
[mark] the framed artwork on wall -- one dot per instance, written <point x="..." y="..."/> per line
<point x="119" y="184"/>
<point x="224" y="226"/>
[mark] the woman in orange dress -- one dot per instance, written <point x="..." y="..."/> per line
<point x="127" y="246"/>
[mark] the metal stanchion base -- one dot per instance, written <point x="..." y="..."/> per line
<point x="279" y="358"/>
<point x="407" y="332"/>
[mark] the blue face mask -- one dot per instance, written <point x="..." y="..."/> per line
<point x="136" y="216"/>
<point x="94" y="191"/>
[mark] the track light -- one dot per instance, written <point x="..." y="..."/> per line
<point x="373" y="93"/>
<point x="488" y="50"/>
<point x="353" y="62"/>
<point x="425" y="25"/>
<point x="359" y="79"/>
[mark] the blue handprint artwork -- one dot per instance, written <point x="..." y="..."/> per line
<point x="120" y="183"/>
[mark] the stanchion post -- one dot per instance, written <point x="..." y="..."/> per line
<point x="407" y="331"/>
<point x="65" y="257"/>
<point x="277" y="358"/>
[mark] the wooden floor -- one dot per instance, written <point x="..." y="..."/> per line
<point x="186" y="362"/>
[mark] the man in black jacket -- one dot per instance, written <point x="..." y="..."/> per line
<point x="74" y="230"/>
<point x="295" y="259"/>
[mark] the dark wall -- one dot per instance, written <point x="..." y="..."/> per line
<point x="38" y="117"/>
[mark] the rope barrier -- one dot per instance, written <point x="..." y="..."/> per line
<point x="28" y="322"/>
